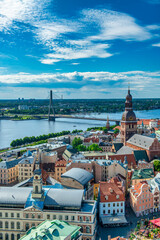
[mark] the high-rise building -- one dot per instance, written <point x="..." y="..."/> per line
<point x="128" y="122"/>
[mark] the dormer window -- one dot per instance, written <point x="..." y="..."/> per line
<point x="106" y="197"/>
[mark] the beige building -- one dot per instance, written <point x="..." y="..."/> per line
<point x="25" y="168"/>
<point x="9" y="172"/>
<point x="23" y="207"/>
<point x="60" y="168"/>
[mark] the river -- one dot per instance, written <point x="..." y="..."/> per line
<point x="10" y="130"/>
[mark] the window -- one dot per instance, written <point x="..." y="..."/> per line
<point x="12" y="214"/>
<point x="1" y="236"/>
<point x="60" y="217"/>
<point x="121" y="210"/>
<point x="72" y="218"/>
<point x="87" y="219"/>
<point x="6" y="214"/>
<point x="0" y="214"/>
<point x="117" y="204"/>
<point x="139" y="208"/>
<point x="27" y="215"/>
<point x="27" y="226"/>
<point x="104" y="211"/>
<point x="33" y="224"/>
<point x="1" y="224"/>
<point x="81" y="219"/>
<point x="121" y="204"/>
<point x="87" y="229"/>
<point x="104" y="205"/>
<point x="113" y="204"/>
<point x="109" y="204"/>
<point x="12" y="225"/>
<point x="36" y="189"/>
<point x="66" y="217"/>
<point x="54" y="216"/>
<point x="39" y="216"/>
<point x="6" y="236"/>
<point x="48" y="216"/>
<point x="6" y="224"/>
<point x="18" y="215"/>
<point x="33" y="216"/>
<point x="12" y="236"/>
<point x="18" y="225"/>
<point x="18" y="236"/>
<point x="109" y="211"/>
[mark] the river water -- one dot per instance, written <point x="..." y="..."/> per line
<point x="11" y="130"/>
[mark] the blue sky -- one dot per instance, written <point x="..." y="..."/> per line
<point x="80" y="49"/>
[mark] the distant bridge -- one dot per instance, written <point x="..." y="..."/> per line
<point x="117" y="122"/>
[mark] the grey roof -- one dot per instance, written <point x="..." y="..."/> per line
<point x="54" y="197"/>
<point x="64" y="197"/>
<point x="27" y="160"/>
<point x="9" y="164"/>
<point x="125" y="150"/>
<point x="80" y="175"/>
<point x="141" y="141"/>
<point x="10" y="195"/>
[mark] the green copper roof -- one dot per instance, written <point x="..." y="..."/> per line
<point x="143" y="174"/>
<point x="52" y="230"/>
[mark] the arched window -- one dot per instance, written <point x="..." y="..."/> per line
<point x="18" y="225"/>
<point x="12" y="225"/>
<point x="27" y="226"/>
<point x="18" y="236"/>
<point x="12" y="236"/>
<point x="1" y="224"/>
<point x="87" y="229"/>
<point x="36" y="189"/>
<point x="6" y="236"/>
<point x="6" y="225"/>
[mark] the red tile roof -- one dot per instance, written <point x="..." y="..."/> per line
<point x="112" y="191"/>
<point x="121" y="157"/>
<point x="60" y="163"/>
<point x="93" y="139"/>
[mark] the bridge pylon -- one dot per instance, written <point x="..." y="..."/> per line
<point x="51" y="112"/>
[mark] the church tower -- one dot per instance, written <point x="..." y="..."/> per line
<point x="37" y="184"/>
<point x="128" y="122"/>
<point x="107" y="124"/>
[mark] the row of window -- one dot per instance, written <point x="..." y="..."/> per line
<point x="12" y="215"/>
<point x="109" y="211"/>
<point x="144" y="206"/>
<point x="114" y="205"/>
<point x="12" y="226"/>
<point x="6" y="236"/>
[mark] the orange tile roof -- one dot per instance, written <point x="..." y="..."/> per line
<point x="112" y="190"/>
<point x="138" y="187"/>
<point x="119" y="238"/>
<point x="117" y="127"/>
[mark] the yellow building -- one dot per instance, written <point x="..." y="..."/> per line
<point x="9" y="172"/>
<point x="60" y="168"/>
<point x="25" y="168"/>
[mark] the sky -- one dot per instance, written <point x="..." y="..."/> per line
<point x="79" y="48"/>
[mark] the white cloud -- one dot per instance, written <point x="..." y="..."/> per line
<point x="115" y="25"/>
<point x="156" y="45"/>
<point x="75" y="63"/>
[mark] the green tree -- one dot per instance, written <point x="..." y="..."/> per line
<point x="81" y="148"/>
<point x="94" y="147"/>
<point x="76" y="141"/>
<point x="156" y="164"/>
<point x="116" y="131"/>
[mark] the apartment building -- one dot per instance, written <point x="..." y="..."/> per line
<point x="9" y="172"/>
<point x="25" y="168"/>
<point x="60" y="168"/>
